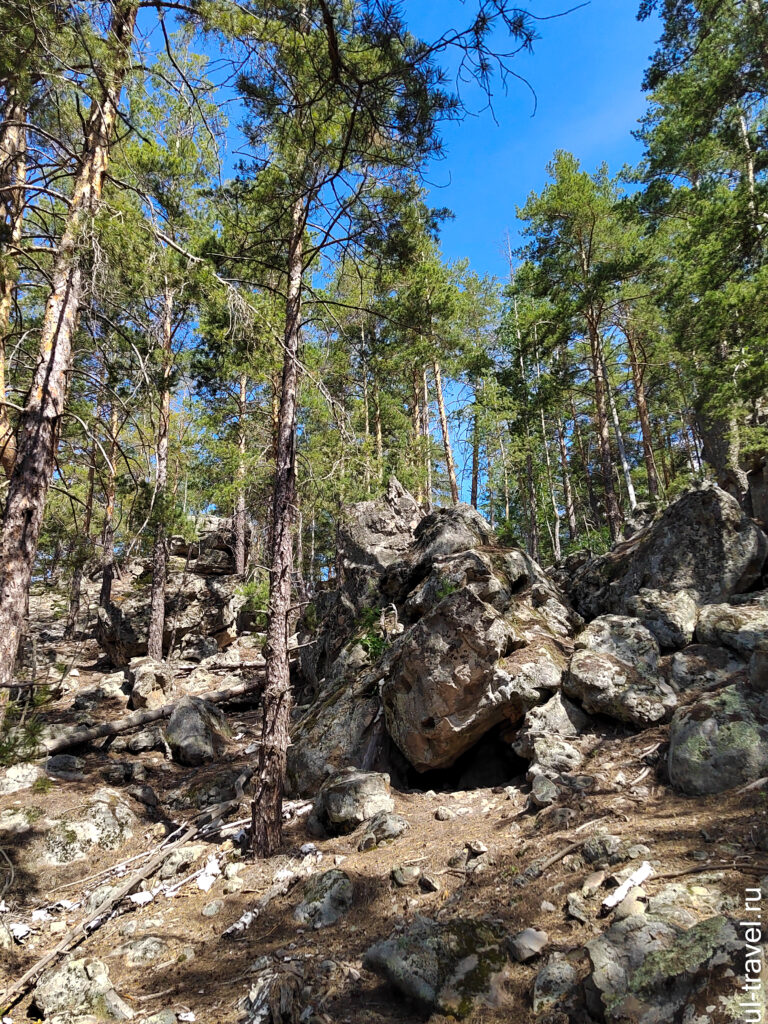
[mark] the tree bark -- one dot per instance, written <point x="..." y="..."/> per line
<point x="426" y="437"/>
<point x="13" y="174"/>
<point x="379" y="436"/>
<point x="570" y="509"/>
<point x="40" y="421"/>
<point x="638" y="379"/>
<point x="160" y="548"/>
<point x="620" y="441"/>
<point x="416" y="425"/>
<point x="240" y="515"/>
<point x="475" y="460"/>
<point x="450" y="464"/>
<point x="108" y="529"/>
<point x="266" y="811"/>
<point x="612" y="510"/>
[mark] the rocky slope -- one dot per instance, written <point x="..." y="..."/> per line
<point x="514" y="794"/>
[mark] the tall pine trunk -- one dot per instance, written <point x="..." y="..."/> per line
<point x="160" y="547"/>
<point x="475" y="460"/>
<point x="641" y="403"/>
<point x="620" y="441"/>
<point x="40" y="421"/>
<point x="570" y="508"/>
<point x="108" y="529"/>
<point x="13" y="174"/>
<point x="612" y="510"/>
<point x="267" y="807"/>
<point x="450" y="464"/>
<point x="240" y="516"/>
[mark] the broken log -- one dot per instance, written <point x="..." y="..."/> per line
<point x="75" y="737"/>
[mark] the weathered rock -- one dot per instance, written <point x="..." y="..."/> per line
<point x="197" y="648"/>
<point x="144" y="950"/>
<point x="558" y="717"/>
<point x="447" y="966"/>
<point x="64" y="766"/>
<point x="104" y="821"/>
<point x="543" y="791"/>
<point x="649" y="972"/>
<point x="742" y="627"/>
<point x="79" y="987"/>
<point x="485" y="650"/>
<point x="196" y="732"/>
<point x="702" y="543"/>
<point x="719" y="742"/>
<point x="19" y="777"/>
<point x="615" y="671"/>
<point x="758" y="671"/>
<point x="151" y="683"/>
<point x="327" y="898"/>
<point x="670" y="617"/>
<point x="350" y="797"/>
<point x="527" y="944"/>
<point x="552" y="756"/>
<point x="555" y="982"/>
<point x="701" y="666"/>
<point x="204" y="606"/>
<point x="381" y="828"/>
<point x="406" y="874"/>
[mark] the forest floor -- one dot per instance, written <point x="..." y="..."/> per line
<point x="702" y="851"/>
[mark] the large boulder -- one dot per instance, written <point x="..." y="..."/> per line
<point x="719" y="742"/>
<point x="197" y="731"/>
<point x="373" y="535"/>
<point x="326" y="898"/>
<point x="350" y="797"/>
<point x="702" y="543"/>
<point x="557" y="718"/>
<point x="651" y="972"/>
<point x="212" y="552"/>
<point x="447" y="967"/>
<point x="204" y="606"/>
<point x="488" y="644"/>
<point x="151" y="683"/>
<point x="742" y="627"/>
<point x="77" y="988"/>
<point x="615" y="671"/>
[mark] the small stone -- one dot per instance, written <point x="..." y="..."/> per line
<point x="477" y="847"/>
<point x="592" y="883"/>
<point x="429" y="883"/>
<point x="527" y="944"/>
<point x="213" y="908"/>
<point x="553" y="982"/>
<point x="234" y="884"/>
<point x="408" y="874"/>
<point x="444" y="813"/>
<point x="602" y="848"/>
<point x="631" y="905"/>
<point x="547" y="907"/>
<point x="232" y="870"/>
<point x="543" y="791"/>
<point x="577" y="908"/>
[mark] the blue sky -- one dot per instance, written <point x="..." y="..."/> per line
<point x="586" y="69"/>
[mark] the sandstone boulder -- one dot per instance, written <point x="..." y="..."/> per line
<point x="742" y="627"/>
<point x="151" y="683"/>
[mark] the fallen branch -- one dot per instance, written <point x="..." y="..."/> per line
<point x="143" y="717"/>
<point x="93" y="920"/>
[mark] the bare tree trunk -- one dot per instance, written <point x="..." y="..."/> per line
<point x="13" y="175"/>
<point x="160" y="549"/>
<point x="240" y="517"/>
<point x="475" y="460"/>
<point x="426" y="437"/>
<point x="620" y="441"/>
<point x="379" y="436"/>
<point x="450" y="465"/>
<point x="416" y="427"/>
<point x="40" y="421"/>
<point x="553" y="496"/>
<point x="533" y="508"/>
<point x="82" y="554"/>
<point x="108" y="530"/>
<point x="584" y="458"/>
<point x="612" y="510"/>
<point x="266" y="811"/>
<point x="641" y="403"/>
<point x="570" y="509"/>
